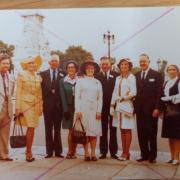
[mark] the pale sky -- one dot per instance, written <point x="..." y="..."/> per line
<point x="85" y="27"/>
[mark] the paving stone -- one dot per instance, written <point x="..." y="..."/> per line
<point x="57" y="168"/>
<point x="89" y="170"/>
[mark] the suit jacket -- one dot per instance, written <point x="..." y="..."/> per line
<point x="148" y="92"/>
<point x="108" y="87"/>
<point x="50" y="100"/>
<point x="11" y="85"/>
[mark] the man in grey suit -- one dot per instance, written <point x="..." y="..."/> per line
<point x="6" y="110"/>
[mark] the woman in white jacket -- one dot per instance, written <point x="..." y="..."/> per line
<point x="122" y="105"/>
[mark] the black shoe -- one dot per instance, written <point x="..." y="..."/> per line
<point x="103" y="156"/>
<point x="48" y="156"/>
<point x="141" y="159"/>
<point x="114" y="156"/>
<point x="152" y="161"/>
<point x="59" y="156"/>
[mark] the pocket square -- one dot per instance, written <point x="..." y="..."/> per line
<point x="151" y="80"/>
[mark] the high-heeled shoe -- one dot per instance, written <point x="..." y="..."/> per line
<point x="30" y="159"/>
<point x="169" y="161"/>
<point x="123" y="158"/>
<point x="93" y="158"/>
<point x="175" y="162"/>
<point x="87" y="158"/>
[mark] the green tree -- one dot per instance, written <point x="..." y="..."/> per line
<point x="135" y="70"/>
<point x="76" y="53"/>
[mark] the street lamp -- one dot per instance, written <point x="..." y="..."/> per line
<point x="109" y="38"/>
<point x="159" y="64"/>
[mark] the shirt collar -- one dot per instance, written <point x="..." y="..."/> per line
<point x="51" y="70"/>
<point x="146" y="71"/>
<point x="108" y="73"/>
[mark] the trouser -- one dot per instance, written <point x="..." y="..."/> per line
<point x="147" y="136"/>
<point x="107" y="124"/>
<point x="52" y="120"/>
<point x="4" y="131"/>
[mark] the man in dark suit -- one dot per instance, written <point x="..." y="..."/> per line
<point x="147" y="102"/>
<point x="107" y="79"/>
<point x="52" y="108"/>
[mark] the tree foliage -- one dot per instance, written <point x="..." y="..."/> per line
<point x="76" y="53"/>
<point x="6" y="48"/>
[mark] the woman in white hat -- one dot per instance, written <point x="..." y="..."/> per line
<point x="122" y="105"/>
<point x="29" y="100"/>
<point x="88" y="106"/>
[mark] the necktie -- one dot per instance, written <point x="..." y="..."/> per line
<point x="105" y="76"/>
<point x="143" y="76"/>
<point x="4" y="84"/>
<point x="53" y="80"/>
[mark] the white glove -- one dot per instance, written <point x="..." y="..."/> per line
<point x="112" y="111"/>
<point x="166" y="98"/>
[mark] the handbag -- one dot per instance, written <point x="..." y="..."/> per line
<point x="18" y="139"/>
<point x="172" y="110"/>
<point x="79" y="136"/>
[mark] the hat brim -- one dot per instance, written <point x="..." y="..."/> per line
<point x="37" y="60"/>
<point x="127" y="60"/>
<point x="69" y="62"/>
<point x="84" y="65"/>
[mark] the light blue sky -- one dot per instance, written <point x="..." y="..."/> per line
<point x="86" y="27"/>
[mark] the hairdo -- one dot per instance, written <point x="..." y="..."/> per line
<point x="4" y="56"/>
<point x="144" y="54"/>
<point x="175" y="66"/>
<point x="127" y="60"/>
<point x="104" y="57"/>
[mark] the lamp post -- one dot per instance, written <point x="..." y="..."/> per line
<point x="159" y="64"/>
<point x="109" y="38"/>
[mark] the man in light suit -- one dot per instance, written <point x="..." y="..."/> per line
<point x="52" y="108"/>
<point x="6" y="108"/>
<point x="107" y="78"/>
<point x="147" y="104"/>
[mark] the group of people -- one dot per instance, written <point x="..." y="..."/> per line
<point x="101" y="99"/>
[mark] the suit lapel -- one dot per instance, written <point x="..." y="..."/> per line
<point x="48" y="78"/>
<point x="10" y="84"/>
<point x="147" y="76"/>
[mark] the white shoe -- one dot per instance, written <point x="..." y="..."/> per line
<point x="123" y="158"/>
<point x="175" y="162"/>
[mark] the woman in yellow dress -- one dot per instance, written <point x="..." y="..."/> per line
<point x="29" y="100"/>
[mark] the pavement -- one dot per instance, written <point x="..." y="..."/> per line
<point x="78" y="169"/>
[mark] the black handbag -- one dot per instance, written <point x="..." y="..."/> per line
<point x="79" y="136"/>
<point x="18" y="139"/>
<point x="172" y="110"/>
